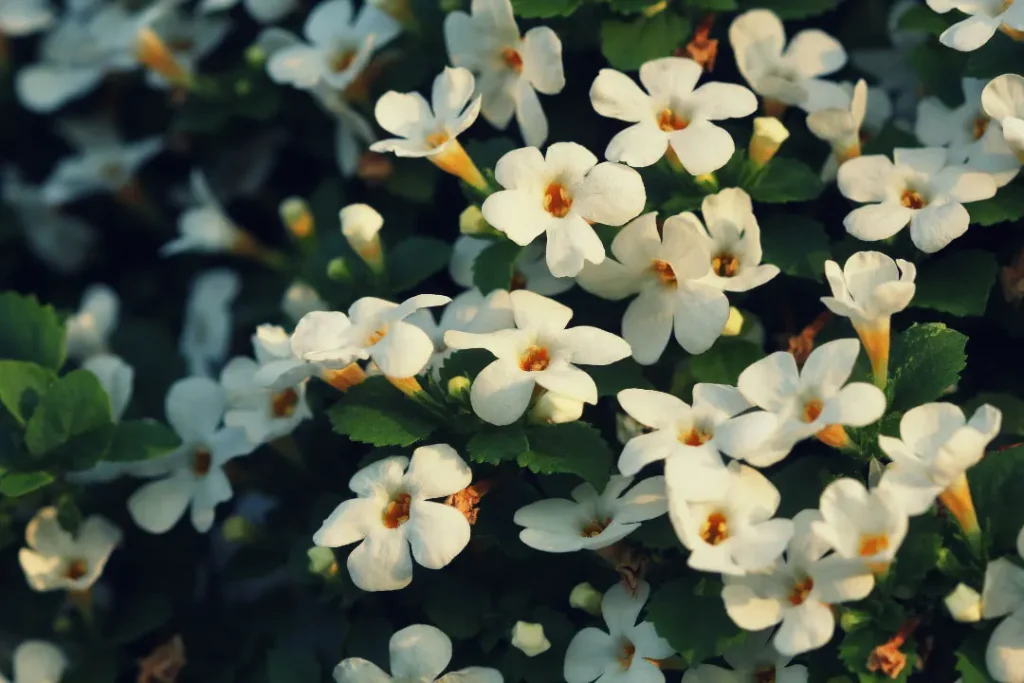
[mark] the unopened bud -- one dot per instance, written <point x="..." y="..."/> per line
<point x="529" y="639"/>
<point x="552" y="408"/>
<point x="300" y="299"/>
<point x="458" y="387"/>
<point x="152" y="52"/>
<point x="297" y="217"/>
<point x="734" y="325"/>
<point x="338" y="270"/>
<point x="964" y="604"/>
<point x="471" y="221"/>
<point x="361" y="225"/>
<point x="255" y="56"/>
<point x="587" y="598"/>
<point x="769" y="134"/>
<point x="322" y="562"/>
<point x="238" y="529"/>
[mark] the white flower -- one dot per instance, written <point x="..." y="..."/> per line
<point x="752" y="660"/>
<point x="530" y="271"/>
<point x="970" y="134"/>
<point x="922" y="188"/>
<point x="510" y="70"/>
<point x="590" y="521"/>
<point x="840" y="126"/>
<point x="470" y="311"/>
<point x="323" y="333"/>
<point x="88" y="330"/>
<point x="790" y="75"/>
<point x="561" y="193"/>
<point x="418" y="653"/>
<point x="624" y="654"/>
<point x="300" y="299"/>
<point x="116" y="377"/>
<point x="665" y="272"/>
<point x="964" y="604"/>
<point x="860" y="525"/>
<point x="1003" y="100"/>
<point x="206" y="334"/>
<point x="727" y="529"/>
<point x="265" y="414"/>
<point x="338" y="48"/>
<point x="58" y="560"/>
<point x="360" y="224"/>
<point x="986" y="17"/>
<point x="691" y="440"/>
<point x="193" y="474"/>
<point x="393" y="511"/>
<point x="552" y="408"/>
<point x="672" y="114"/>
<point x="1003" y="595"/>
<point x="870" y="288"/>
<point x="263" y="11"/>
<point x="24" y="17"/>
<point x="541" y="351"/>
<point x="936" y="447"/>
<point x="815" y="400"/>
<point x="37" y="661"/>
<point x="206" y="227"/>
<point x="530" y="639"/>
<point x="889" y="65"/>
<point x="189" y="38"/>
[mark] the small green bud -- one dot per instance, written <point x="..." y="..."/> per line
<point x="458" y="386"/>
<point x="529" y="638"/>
<point x="338" y="270"/>
<point x="587" y="598"/>
<point x="237" y="529"/>
<point x="255" y="56"/>
<point x="322" y="562"/>
<point x="471" y="221"/>
<point x="851" y="619"/>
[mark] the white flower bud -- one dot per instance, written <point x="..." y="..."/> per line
<point x="964" y="604"/>
<point x="734" y="325"/>
<point x="769" y="134"/>
<point x="360" y="224"/>
<point x="301" y="299"/>
<point x="552" y="408"/>
<point x="587" y="598"/>
<point x="471" y="221"/>
<point x="529" y="639"/>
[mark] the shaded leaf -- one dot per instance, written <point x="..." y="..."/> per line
<point x="798" y="245"/>
<point x="958" y="283"/>
<point x="376" y="413"/>
<point x="925" y="361"/>
<point x="31" y="332"/>
<point x="573" y="448"/>
<point x="627" y="44"/>
<point x="414" y="259"/>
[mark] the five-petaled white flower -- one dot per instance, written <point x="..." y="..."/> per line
<point x="193" y="474"/>
<point x="665" y="272"/>
<point x="511" y="69"/>
<point x="57" y="560"/>
<point x="729" y="530"/>
<point x="937" y="446"/>
<point x="673" y="114"/>
<point x="1003" y="100"/>
<point x="797" y="591"/>
<point x="590" y="521"/>
<point x="338" y="47"/>
<point x="205" y="227"/>
<point x="529" y="270"/>
<point x="628" y="652"/>
<point x="789" y="75"/>
<point x="1003" y="595"/>
<point x="561" y="193"/>
<point x="985" y="18"/>
<point x="88" y="330"/>
<point x="755" y="659"/>
<point x="840" y="125"/>
<point x="206" y="334"/>
<point x="865" y="527"/>
<point x="418" y="653"/>
<point x="393" y="511"/>
<point x="24" y="17"/>
<point x="540" y="352"/>
<point x="37" y="661"/>
<point x="470" y="311"/>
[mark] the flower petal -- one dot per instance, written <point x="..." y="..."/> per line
<point x="158" y="505"/>
<point x="419" y="652"/>
<point x="437" y="533"/>
<point x="382" y="562"/>
<point x="436" y="471"/>
<point x="350" y="522"/>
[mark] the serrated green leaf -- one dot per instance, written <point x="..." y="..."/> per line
<point x="723" y="362"/>
<point x="798" y="245"/>
<point x="997" y="487"/>
<point x="921" y="18"/>
<point x="958" y="283"/>
<point x="624" y="374"/>
<point x="494" y="266"/>
<point x="141" y="440"/>
<point x="376" y="413"/>
<point x="414" y="259"/>
<point x="919" y="552"/>
<point x="72" y="424"/>
<point x="688" y="613"/>
<point x="788" y="9"/>
<point x="14" y="484"/>
<point x="543" y="9"/>
<point x="1007" y="205"/>
<point x="1010" y="406"/>
<point x="31" y="331"/>
<point x="572" y="447"/>
<point x="292" y="665"/>
<point x="628" y="44"/>
<point x="22" y="386"/>
<point x="784" y="180"/>
<point x="925" y="361"/>
<point x="494" y="446"/>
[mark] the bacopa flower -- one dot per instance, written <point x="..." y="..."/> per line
<point x="418" y="653"/>
<point x="511" y="69"/>
<point x="813" y="401"/>
<point x="985" y="18"/>
<point x="865" y="527"/>
<point x="920" y="187"/>
<point x="470" y="311"/>
<point x="787" y="75"/>
<point x="393" y="511"/>
<point x="104" y="165"/>
<point x="37" y="661"/>
<point x="24" y="17"/>
<point x="88" y="330"/>
<point x="361" y="225"/>
<point x="192" y="476"/>
<point x="590" y="521"/>
<point x="430" y="129"/>
<point x="664" y="272"/>
<point x="729" y="530"/>
<point x="540" y="352"/>
<point x="1003" y="596"/>
<point x="1003" y="100"/>
<point x="840" y="126"/>
<point x="57" y="560"/>
<point x="560" y="194"/>
<point x="755" y="659"/>
<point x="188" y="38"/>
<point x="530" y="271"/>
<point x="206" y="333"/>
<point x="670" y="114"/>
<point x="797" y="592"/>
<point x="627" y="652"/>
<point x="117" y="379"/>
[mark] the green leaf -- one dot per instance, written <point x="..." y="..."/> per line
<point x="800" y="482"/>
<point x="628" y="44"/>
<point x="135" y="617"/>
<point x="292" y="665"/>
<point x="465" y="363"/>
<point x="1007" y="205"/>
<point x="624" y="374"/>
<point x="933" y="63"/>
<point x="630" y="6"/>
<point x="493" y="446"/>
<point x="141" y="440"/>
<point x="543" y="9"/>
<point x="798" y="245"/>
<point x="714" y="5"/>
<point x="890" y="138"/>
<point x="688" y="614"/>
<point x="456" y="606"/>
<point x="997" y="487"/>
<point x="784" y="180"/>
<point x="790" y="9"/>
<point x="926" y="360"/>
<point x="919" y="552"/>
<point x="723" y="362"/>
<point x="920" y="18"/>
<point x="494" y="266"/>
<point x="998" y="56"/>
<point x="16" y="484"/>
<point x="970" y="659"/>
<point x="22" y="386"/>
<point x="376" y="413"/>
<point x="31" y="331"/>
<point x="1010" y="406"/>
<point x="72" y="424"/>
<point x="412" y="180"/>
<point x="413" y="260"/>
<point x="958" y="283"/>
<point x="573" y="447"/>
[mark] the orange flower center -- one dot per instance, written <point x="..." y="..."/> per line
<point x="283" y="403"/>
<point x="342" y="60"/>
<point x="663" y="269"/>
<point x="512" y="59"/>
<point x="715" y="528"/>
<point x="980" y="126"/>
<point x="535" y="359"/>
<point x="435" y="140"/>
<point x="812" y="409"/>
<point x="872" y="544"/>
<point x="669" y="121"/>
<point x="695" y="437"/>
<point x="76" y="569"/>
<point x="518" y="281"/>
<point x="725" y="265"/>
<point x="202" y="461"/>
<point x="557" y="201"/>
<point x="595" y="527"/>
<point x="800" y="590"/>
<point x="626" y="655"/>
<point x="397" y="511"/>
<point x="765" y="674"/>
<point x="912" y="199"/>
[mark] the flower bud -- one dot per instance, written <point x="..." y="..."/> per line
<point x="587" y="598"/>
<point x="322" y="562"/>
<point x="529" y="639"/>
<point x="553" y="408"/>
<point x="338" y="270"/>
<point x="255" y="56"/>
<point x="458" y="387"/>
<point x="471" y="221"/>
<point x="297" y="217"/>
<point x="301" y="299"/>
<point x="152" y="52"/>
<point x="734" y="325"/>
<point x="964" y="604"/>
<point x="769" y="134"/>
<point x="238" y="529"/>
<point x="360" y="224"/>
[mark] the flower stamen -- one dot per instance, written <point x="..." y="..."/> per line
<point x="76" y="569"/>
<point x="595" y="527"/>
<point x="512" y="59"/>
<point x="725" y="265"/>
<point x="283" y="403"/>
<point x="535" y="359"/>
<point x="557" y="201"/>
<point x="664" y="271"/>
<point x="715" y="528"/>
<point x="669" y="121"/>
<point x="912" y="199"/>
<point x="626" y="656"/>
<point x="800" y="590"/>
<point x="695" y="437"/>
<point x="202" y="461"/>
<point x="397" y="511"/>
<point x="812" y="410"/>
<point x="872" y="544"/>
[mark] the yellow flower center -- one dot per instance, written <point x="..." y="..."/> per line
<point x="765" y="674"/>
<point x="512" y="59"/>
<point x="800" y="590"/>
<point x="669" y="121"/>
<point x="557" y="201"/>
<point x="626" y="655"/>
<point x="376" y="335"/>
<point x="397" y="511"/>
<point x="595" y="527"/>
<point x="535" y="359"/>
<point x="283" y="403"/>
<point x="435" y="140"/>
<point x="980" y="126"/>
<point x="663" y="269"/>
<point x="725" y="265"/>
<point x="341" y="60"/>
<point x="76" y="569"/>
<point x="912" y="199"/>
<point x="812" y="410"/>
<point x="715" y="528"/>
<point x="872" y="544"/>
<point x="694" y="437"/>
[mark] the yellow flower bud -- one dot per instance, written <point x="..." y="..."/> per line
<point x="587" y="598"/>
<point x="297" y="217"/>
<point x="529" y="639"/>
<point x="964" y="604"/>
<point x="769" y="134"/>
<point x="152" y="51"/>
<point x="471" y="221"/>
<point x="458" y="387"/>
<point x="734" y="324"/>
